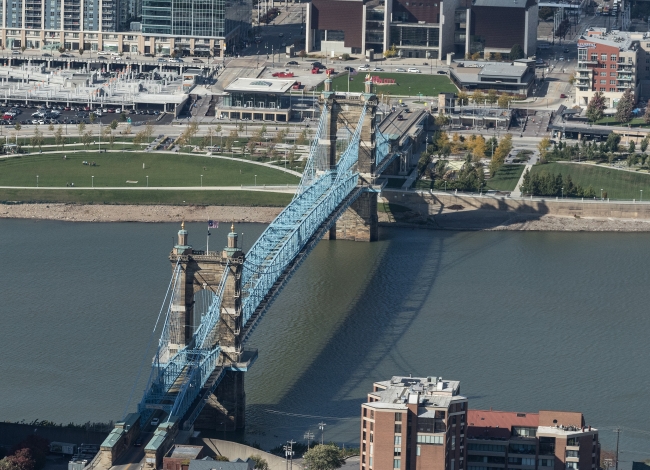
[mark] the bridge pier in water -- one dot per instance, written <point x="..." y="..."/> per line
<point x="360" y="220"/>
<point x="224" y="410"/>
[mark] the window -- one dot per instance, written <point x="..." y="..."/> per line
<point x="370" y="461"/>
<point x="397" y="463"/>
<point x="603" y="57"/>
<point x="602" y="82"/>
<point x="453" y="442"/>
<point x="398" y="416"/>
<point x="572" y="465"/>
<point x="398" y="440"/>
<point x="453" y="466"/>
<point x="371" y="448"/>
<point x="612" y="82"/>
<point x="572" y="453"/>
<point x="521" y="461"/>
<point x="398" y="428"/>
<point x="521" y="449"/>
<point x="371" y="437"/>
<point x="613" y="57"/>
<point x="486" y="447"/>
<point x="526" y="432"/>
<point x="612" y="66"/>
<point x="601" y="89"/>
<point x="372" y="412"/>
<point x="417" y="451"/>
<point x="594" y="57"/>
<point x="629" y="60"/>
<point x="604" y="74"/>
<point x="612" y="74"/>
<point x="428" y="439"/>
<point x="397" y="451"/>
<point x="573" y="441"/>
<point x="546" y="462"/>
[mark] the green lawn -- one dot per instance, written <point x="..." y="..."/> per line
<point x="122" y="196"/>
<point x="405" y="84"/>
<point x="505" y="179"/>
<point x="618" y="184"/>
<point x="612" y="121"/>
<point x="115" y="169"/>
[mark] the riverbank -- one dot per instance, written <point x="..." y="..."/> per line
<point x="138" y="213"/>
<point x="489" y="220"/>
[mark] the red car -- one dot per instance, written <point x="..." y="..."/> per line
<point x="562" y="95"/>
<point x="315" y="70"/>
<point x="283" y="75"/>
<point x="296" y="86"/>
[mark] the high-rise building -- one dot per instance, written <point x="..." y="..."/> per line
<point x="422" y="29"/>
<point x="414" y="423"/>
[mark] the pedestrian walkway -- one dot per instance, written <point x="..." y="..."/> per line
<point x="532" y="161"/>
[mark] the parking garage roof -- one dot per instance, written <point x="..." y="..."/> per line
<point x="260" y="85"/>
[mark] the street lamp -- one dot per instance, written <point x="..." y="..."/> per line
<point x="255" y="180"/>
<point x="92" y="182"/>
<point x="641" y="195"/>
<point x="147" y="181"/>
<point x="201" y="180"/>
<point x="232" y="150"/>
<point x="601" y="194"/>
<point x="37" y="181"/>
<point x="562" y="193"/>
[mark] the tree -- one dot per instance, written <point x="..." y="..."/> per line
<point x="516" y="52"/>
<point x="81" y="127"/>
<point x="221" y="458"/>
<point x="625" y="106"/>
<point x="492" y="96"/>
<point x="127" y="131"/>
<point x="632" y="147"/>
<point x="260" y="463"/>
<point x="543" y="146"/>
<point x="323" y="457"/>
<point x="392" y="52"/>
<point x="58" y="137"/>
<point x="148" y="131"/>
<point x="644" y="144"/>
<point x="231" y="138"/>
<point x="503" y="101"/>
<point x="302" y="138"/>
<point x="476" y="56"/>
<point x="22" y="459"/>
<point x="479" y="147"/>
<point x="302" y="54"/>
<point x="478" y="97"/>
<point x="114" y="124"/>
<point x="500" y="154"/>
<point x="545" y="13"/>
<point x="572" y="78"/>
<point x="51" y="127"/>
<point x="87" y="138"/>
<point x="462" y="98"/>
<point x="345" y="56"/>
<point x="37" y="139"/>
<point x="17" y="126"/>
<point x="219" y="130"/>
<point x="596" y="107"/>
<point x="81" y="51"/>
<point x="92" y="117"/>
<point x="498" y="57"/>
<point x="123" y="116"/>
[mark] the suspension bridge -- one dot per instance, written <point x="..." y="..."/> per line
<point x="215" y="299"/>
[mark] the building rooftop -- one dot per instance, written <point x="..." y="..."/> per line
<point x="425" y="391"/>
<point x="501" y="419"/>
<point x="267" y="85"/>
<point x="620" y="39"/>
<point x="184" y="452"/>
<point x="205" y="464"/>
<point x="503" y="3"/>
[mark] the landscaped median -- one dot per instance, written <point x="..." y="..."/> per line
<point x="142" y="178"/>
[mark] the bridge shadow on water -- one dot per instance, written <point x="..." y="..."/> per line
<point x="366" y="346"/>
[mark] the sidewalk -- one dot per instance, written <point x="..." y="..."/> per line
<point x="532" y="161"/>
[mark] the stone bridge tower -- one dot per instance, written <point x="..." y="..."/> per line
<point x="225" y="409"/>
<point x="359" y="222"/>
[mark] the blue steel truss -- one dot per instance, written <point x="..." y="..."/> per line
<point x="179" y="375"/>
<point x="381" y="149"/>
<point x="321" y="190"/>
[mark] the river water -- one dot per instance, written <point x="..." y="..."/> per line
<point x="525" y="321"/>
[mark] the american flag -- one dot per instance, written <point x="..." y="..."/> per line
<point x="213" y="224"/>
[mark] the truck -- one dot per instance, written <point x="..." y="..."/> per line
<point x="63" y="448"/>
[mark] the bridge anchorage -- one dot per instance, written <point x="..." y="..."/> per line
<point x="215" y="299"/>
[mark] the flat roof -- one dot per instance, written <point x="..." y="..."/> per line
<point x="184" y="451"/>
<point x="260" y="85"/>
<point x="619" y="39"/>
<point x="501" y="419"/>
<point x="423" y="391"/>
<point x="501" y="3"/>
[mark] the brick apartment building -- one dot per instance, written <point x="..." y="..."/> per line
<point x="414" y="423"/>
<point x="607" y="62"/>
<point x="423" y="423"/>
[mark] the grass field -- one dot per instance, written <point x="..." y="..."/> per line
<point x="505" y="179"/>
<point x="409" y="84"/>
<point x="612" y="121"/>
<point x="104" y="196"/>
<point x="115" y="169"/>
<point x="617" y="183"/>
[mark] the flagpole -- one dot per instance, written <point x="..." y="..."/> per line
<point x="207" y="243"/>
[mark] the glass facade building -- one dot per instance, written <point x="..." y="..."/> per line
<point x="205" y="18"/>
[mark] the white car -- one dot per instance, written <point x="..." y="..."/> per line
<point x="413" y="70"/>
<point x="364" y="68"/>
<point x="399" y="69"/>
<point x="561" y="59"/>
<point x="377" y="69"/>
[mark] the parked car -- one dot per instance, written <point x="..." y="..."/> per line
<point x="146" y="54"/>
<point x="413" y="70"/>
<point x="291" y="62"/>
<point x="45" y="54"/>
<point x="197" y="60"/>
<point x="377" y="69"/>
<point x="155" y="422"/>
<point x="441" y="72"/>
<point x="137" y="442"/>
<point x="364" y="68"/>
<point x="399" y="69"/>
<point x="563" y="95"/>
<point x="349" y="69"/>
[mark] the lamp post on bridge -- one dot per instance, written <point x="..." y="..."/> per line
<point x="321" y="426"/>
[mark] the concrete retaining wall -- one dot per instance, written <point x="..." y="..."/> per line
<point x="427" y="203"/>
<point x="12" y="433"/>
